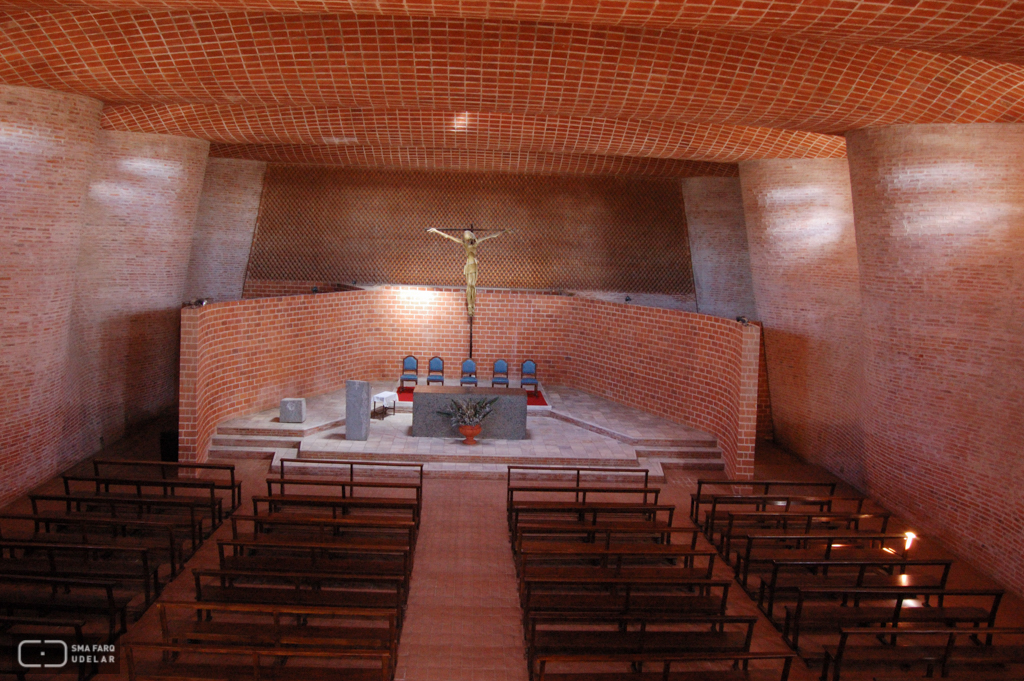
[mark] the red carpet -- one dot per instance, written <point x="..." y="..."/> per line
<point x="532" y="399"/>
<point x="535" y="400"/>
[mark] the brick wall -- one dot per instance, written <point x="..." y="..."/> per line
<point x="765" y="427"/>
<point x="691" y="368"/>
<point x="132" y="266"/>
<point x="224" y="228"/>
<point x="47" y="145"/>
<point x="940" y="232"/>
<point x="242" y="357"/>
<point x="803" y="257"/>
<point x="718" y="246"/>
<point x="583" y="233"/>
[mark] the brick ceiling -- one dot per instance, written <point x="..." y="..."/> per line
<point x="642" y="87"/>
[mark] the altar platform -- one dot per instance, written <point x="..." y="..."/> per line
<point x="575" y="429"/>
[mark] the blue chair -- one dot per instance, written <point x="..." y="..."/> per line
<point x="468" y="373"/>
<point x="410" y="371"/>
<point x="499" y="376"/>
<point x="435" y="371"/>
<point x="529" y="375"/>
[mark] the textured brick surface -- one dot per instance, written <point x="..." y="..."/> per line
<point x="987" y="30"/>
<point x="803" y="257"/>
<point x="502" y="66"/>
<point x="340" y="225"/>
<point x="131" y="279"/>
<point x="47" y="141"/>
<point x="237" y="124"/>
<point x="224" y="228"/>
<point x="242" y="357"/>
<point x="940" y="231"/>
<point x="470" y="160"/>
<point x="718" y="244"/>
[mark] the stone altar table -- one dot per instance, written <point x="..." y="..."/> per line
<point x="506" y="422"/>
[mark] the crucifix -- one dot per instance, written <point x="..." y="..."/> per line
<point x="469" y="241"/>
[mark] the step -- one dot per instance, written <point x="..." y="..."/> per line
<point x="698" y="440"/>
<point x="228" y="453"/>
<point x="469" y="458"/>
<point x="680" y="452"/>
<point x="253" y="441"/>
<point x="693" y="464"/>
<point x="288" y="430"/>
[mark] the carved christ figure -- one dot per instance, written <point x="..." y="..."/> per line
<point x="469" y="242"/>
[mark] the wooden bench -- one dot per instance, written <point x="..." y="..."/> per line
<point x="165" y="468"/>
<point x="942" y="648"/>
<point x="183" y="662"/>
<point x="720" y="503"/>
<point x="386" y="532"/>
<point x="761" y="550"/>
<point x="766" y="486"/>
<point x="348" y="487"/>
<point x="161" y="538"/>
<point x="576" y="495"/>
<point x="588" y="634"/>
<point x="617" y="556"/>
<point x="649" y="533"/>
<point x="370" y="507"/>
<point x="310" y="556"/>
<point x="302" y="588"/>
<point x="788" y="576"/>
<point x="412" y="470"/>
<point x="886" y="607"/>
<point x="575" y="474"/>
<point x="735" y="667"/>
<point x="623" y="594"/>
<point x="743" y="524"/>
<point x="79" y="598"/>
<point x="580" y="512"/>
<point x="273" y="626"/>
<point x="86" y="561"/>
<point x="171" y="507"/>
<point x="168" y="488"/>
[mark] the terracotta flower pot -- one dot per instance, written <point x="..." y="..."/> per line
<point x="469" y="432"/>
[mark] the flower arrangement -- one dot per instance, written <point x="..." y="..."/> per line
<point x="468" y="412"/>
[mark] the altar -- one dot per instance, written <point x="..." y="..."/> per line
<point x="507" y="420"/>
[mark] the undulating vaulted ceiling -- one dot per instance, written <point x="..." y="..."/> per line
<point x="641" y="87"/>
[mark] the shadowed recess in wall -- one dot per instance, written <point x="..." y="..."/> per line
<point x="582" y="233"/>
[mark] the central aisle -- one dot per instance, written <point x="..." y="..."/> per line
<point x="463" y="620"/>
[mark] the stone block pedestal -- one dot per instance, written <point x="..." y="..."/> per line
<point x="357" y="410"/>
<point x="293" y="410"/>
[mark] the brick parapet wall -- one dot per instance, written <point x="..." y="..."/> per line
<point x="689" y="368"/>
<point x="244" y="356"/>
<point x="940" y="234"/>
<point x="803" y="257"/>
<point x="47" y="147"/>
<point x="225" y="223"/>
